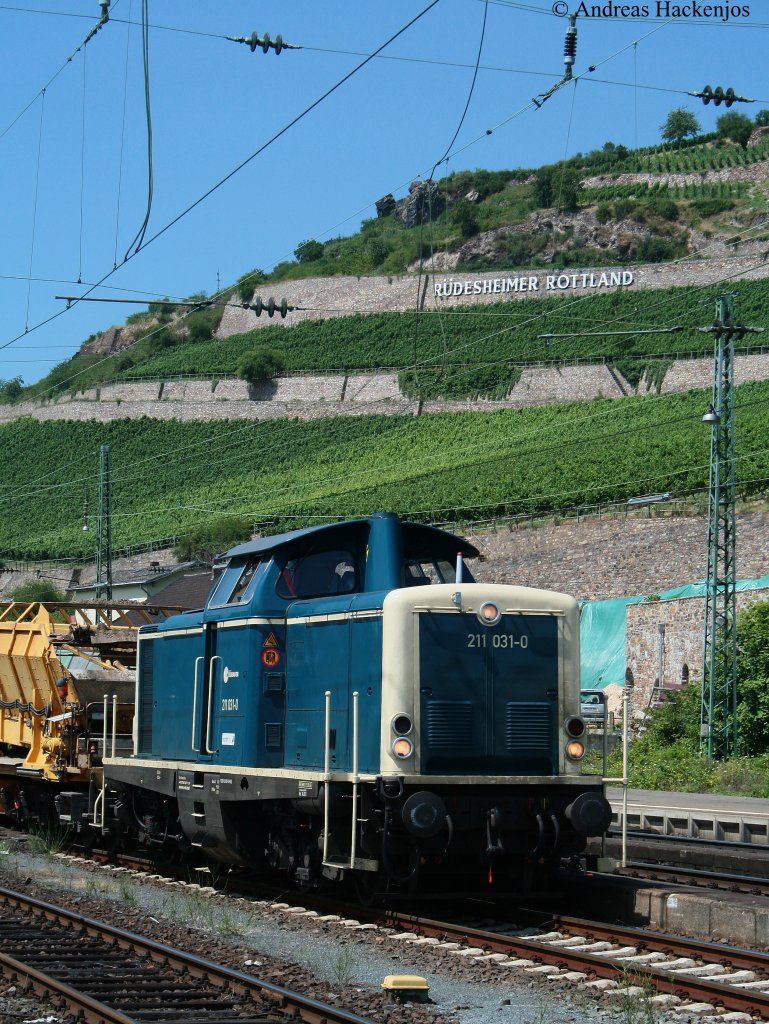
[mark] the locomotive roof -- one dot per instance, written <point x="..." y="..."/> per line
<point x="418" y="538"/>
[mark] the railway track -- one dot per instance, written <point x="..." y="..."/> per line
<point x="610" y="957"/>
<point x="673" y="875"/>
<point x="106" y="975"/>
<point x="602" y="958"/>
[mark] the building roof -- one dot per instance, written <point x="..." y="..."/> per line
<point x="189" y="591"/>
<point x="139" y="575"/>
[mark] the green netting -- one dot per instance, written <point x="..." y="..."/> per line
<point x="602" y="631"/>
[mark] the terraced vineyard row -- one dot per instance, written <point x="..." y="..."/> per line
<point x="509" y="332"/>
<point x="168" y="477"/>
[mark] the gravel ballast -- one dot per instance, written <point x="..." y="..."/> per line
<point x="325" y="960"/>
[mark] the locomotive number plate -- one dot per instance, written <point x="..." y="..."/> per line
<point x="497" y="640"/>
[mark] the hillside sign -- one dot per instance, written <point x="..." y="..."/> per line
<point x="449" y="288"/>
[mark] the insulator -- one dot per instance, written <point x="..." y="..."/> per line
<point x="269" y="306"/>
<point x="729" y="97"/>
<point x="266" y="43"/>
<point x="570" y="46"/>
<point x="707" y="95"/>
<point x="718" y="96"/>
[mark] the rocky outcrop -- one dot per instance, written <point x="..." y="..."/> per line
<point x="114" y="339"/>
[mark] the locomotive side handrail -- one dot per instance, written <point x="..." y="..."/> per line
<point x="355" y="778"/>
<point x="211" y="673"/>
<point x="195" y="701"/>
<point x="326" y="773"/>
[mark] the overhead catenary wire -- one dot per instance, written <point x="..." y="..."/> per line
<point x="138" y="239"/>
<point x="104" y="18"/>
<point x="122" y="135"/>
<point x="637" y="41"/>
<point x="214" y="188"/>
<point x="430" y="184"/>
<point x="82" y="171"/>
<point x="34" y="210"/>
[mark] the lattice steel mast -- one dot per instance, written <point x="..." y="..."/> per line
<point x="718" y="719"/>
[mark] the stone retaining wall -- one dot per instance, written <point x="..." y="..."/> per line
<point x="752" y="172"/>
<point x="324" y="298"/>
<point x="670" y="634"/>
<point x="617" y="556"/>
<point x="309" y="398"/>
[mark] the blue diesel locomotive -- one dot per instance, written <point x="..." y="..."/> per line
<point x="351" y="703"/>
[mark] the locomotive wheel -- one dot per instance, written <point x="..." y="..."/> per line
<point x="371" y="887"/>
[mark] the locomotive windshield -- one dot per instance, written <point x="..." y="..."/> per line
<point x="238" y="581"/>
<point x="423" y="571"/>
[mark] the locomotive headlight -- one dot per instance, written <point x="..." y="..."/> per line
<point x="575" y="727"/>
<point x="575" y="750"/>
<point x="402" y="747"/>
<point x="489" y="614"/>
<point x="402" y="725"/>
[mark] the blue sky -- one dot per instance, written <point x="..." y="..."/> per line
<point x="73" y="163"/>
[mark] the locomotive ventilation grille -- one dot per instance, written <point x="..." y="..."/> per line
<point x="450" y="724"/>
<point x="528" y="726"/>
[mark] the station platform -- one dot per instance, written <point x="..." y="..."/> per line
<point x="693" y="815"/>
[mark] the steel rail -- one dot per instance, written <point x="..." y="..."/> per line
<point x="300" y="1007"/>
<point x="604" y="966"/>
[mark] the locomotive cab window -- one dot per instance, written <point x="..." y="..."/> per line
<point x="318" y="574"/>
<point x="237" y="583"/>
<point x="422" y="571"/>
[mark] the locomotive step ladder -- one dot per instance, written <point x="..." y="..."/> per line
<point x="354" y="862"/>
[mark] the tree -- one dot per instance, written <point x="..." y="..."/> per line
<point x="36" y="590"/>
<point x="557" y="186"/>
<point x="211" y="539"/>
<point x="735" y="126"/>
<point x="753" y="679"/>
<point x="762" y="118"/>
<point x="246" y="284"/>
<point x="464" y="216"/>
<point x="678" y="124"/>
<point x="308" y="251"/>
<point x="10" y="389"/>
<point x="260" y="364"/>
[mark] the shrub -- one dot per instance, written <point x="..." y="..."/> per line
<point x="603" y="212"/>
<point x="260" y="364"/>
<point x="36" y="590"/>
<point x="10" y="389"/>
<point x="464" y="216"/>
<point x="557" y="186"/>
<point x="309" y="251"/>
<point x="658" y="250"/>
<point x="246" y="284"/>
<point x="209" y="540"/>
<point x="710" y="207"/>
<point x="161" y="308"/>
<point x="735" y="126"/>
<point x="199" y="326"/>
<point x="667" y="209"/>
